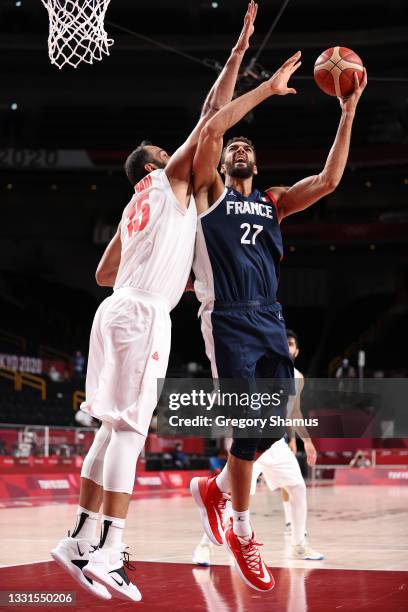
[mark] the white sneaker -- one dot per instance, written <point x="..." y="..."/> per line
<point x="303" y="552"/>
<point x="73" y="554"/>
<point x="107" y="566"/>
<point x="288" y="529"/>
<point x="202" y="555"/>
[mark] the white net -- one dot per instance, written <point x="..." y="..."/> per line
<point x="77" y="33"/>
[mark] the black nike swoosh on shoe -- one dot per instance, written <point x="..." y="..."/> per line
<point x="119" y="583"/>
<point x="81" y="564"/>
<point x="81" y="554"/>
<point x="122" y="574"/>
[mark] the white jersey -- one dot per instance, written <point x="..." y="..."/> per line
<point x="157" y="236"/>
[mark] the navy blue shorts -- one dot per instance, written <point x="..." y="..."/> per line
<point x="250" y="341"/>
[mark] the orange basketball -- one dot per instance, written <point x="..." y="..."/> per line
<point x="334" y="71"/>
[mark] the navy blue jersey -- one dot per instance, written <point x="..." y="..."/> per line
<point x="238" y="249"/>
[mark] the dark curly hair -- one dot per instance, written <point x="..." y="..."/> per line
<point x="135" y="162"/>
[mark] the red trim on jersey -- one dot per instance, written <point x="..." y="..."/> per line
<point x="272" y="199"/>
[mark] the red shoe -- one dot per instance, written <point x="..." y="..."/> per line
<point x="211" y="503"/>
<point x="248" y="561"/>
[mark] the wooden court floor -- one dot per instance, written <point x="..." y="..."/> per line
<point x="363" y="531"/>
<point x="355" y="527"/>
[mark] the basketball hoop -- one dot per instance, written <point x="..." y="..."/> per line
<point x="77" y="32"/>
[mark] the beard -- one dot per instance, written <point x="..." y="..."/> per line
<point x="240" y="172"/>
<point x="159" y="163"/>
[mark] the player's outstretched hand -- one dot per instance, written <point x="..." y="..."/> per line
<point x="348" y="105"/>
<point x="248" y="28"/>
<point x="278" y="83"/>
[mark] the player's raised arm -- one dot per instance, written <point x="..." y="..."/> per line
<point x="309" y="190"/>
<point x="206" y="177"/>
<point x="109" y="263"/>
<point x="233" y="112"/>
<point x="179" y="167"/>
<point x="223" y="89"/>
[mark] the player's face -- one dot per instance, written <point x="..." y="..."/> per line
<point x="239" y="161"/>
<point x="159" y="157"/>
<point x="293" y="349"/>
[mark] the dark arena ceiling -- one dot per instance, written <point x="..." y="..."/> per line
<point x="141" y="87"/>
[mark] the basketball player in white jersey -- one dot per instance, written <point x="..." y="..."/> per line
<point x="147" y="263"/>
<point x="280" y="469"/>
<point x="311" y="455"/>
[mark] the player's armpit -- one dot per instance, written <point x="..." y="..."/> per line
<point x="207" y="196"/>
<point x="109" y="264"/>
<point x="190" y="284"/>
<point x="303" y="194"/>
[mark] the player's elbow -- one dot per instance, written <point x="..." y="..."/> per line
<point x="99" y="278"/>
<point x="102" y="279"/>
<point x="332" y="184"/>
<point x="212" y="131"/>
<point x="329" y="183"/>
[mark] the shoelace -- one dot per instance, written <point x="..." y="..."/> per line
<point x="221" y="506"/>
<point x="251" y="554"/>
<point x="126" y="561"/>
<point x="223" y="501"/>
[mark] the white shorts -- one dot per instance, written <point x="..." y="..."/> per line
<point x="279" y="467"/>
<point x="129" y="350"/>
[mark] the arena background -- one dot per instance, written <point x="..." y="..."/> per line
<point x="64" y="135"/>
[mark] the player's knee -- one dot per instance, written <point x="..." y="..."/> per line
<point x="92" y="467"/>
<point x="244" y="448"/>
<point x="297" y="491"/>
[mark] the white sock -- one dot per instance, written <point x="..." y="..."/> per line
<point x="286" y="511"/>
<point x="86" y="524"/>
<point x="298" y="507"/>
<point x="111" y="531"/>
<point x="223" y="481"/>
<point x="241" y="524"/>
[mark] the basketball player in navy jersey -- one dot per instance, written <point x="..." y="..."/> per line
<point x="238" y="250"/>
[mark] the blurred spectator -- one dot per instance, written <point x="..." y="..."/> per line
<point x="194" y="368"/>
<point x="360" y="460"/>
<point x="54" y="375"/>
<point x="379" y="374"/>
<point x="180" y="459"/>
<point x="345" y="370"/>
<point x="3" y="448"/>
<point x="79" y="364"/>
